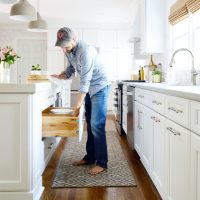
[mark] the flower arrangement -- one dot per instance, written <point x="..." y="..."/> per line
<point x="8" y="55"/>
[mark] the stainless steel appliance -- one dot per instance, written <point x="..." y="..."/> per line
<point x="124" y="105"/>
<point x="128" y="113"/>
<point x="118" y="106"/>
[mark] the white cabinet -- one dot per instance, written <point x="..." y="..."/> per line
<point x="147" y="138"/>
<point x="177" y="161"/>
<point x="55" y="56"/>
<point x="152" y="26"/>
<point x="177" y="109"/>
<point x="144" y="134"/>
<point x="195" y="117"/>
<point x="91" y="37"/>
<point x="195" y="167"/>
<point x="55" y="61"/>
<point x="14" y="143"/>
<point x="138" y="121"/>
<point x="158" y="153"/>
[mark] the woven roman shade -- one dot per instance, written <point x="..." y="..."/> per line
<point x="178" y="11"/>
<point x="181" y="8"/>
<point x="193" y="5"/>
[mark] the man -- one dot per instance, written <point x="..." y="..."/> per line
<point x="94" y="89"/>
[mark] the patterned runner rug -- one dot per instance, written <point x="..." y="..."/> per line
<point x="117" y="174"/>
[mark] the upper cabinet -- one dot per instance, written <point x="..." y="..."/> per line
<point x="152" y="26"/>
<point x="55" y="56"/>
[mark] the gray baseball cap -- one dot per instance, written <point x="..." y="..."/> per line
<point x="64" y="36"/>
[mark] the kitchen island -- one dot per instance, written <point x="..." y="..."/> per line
<point x="24" y="153"/>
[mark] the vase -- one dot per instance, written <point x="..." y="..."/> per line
<point x="156" y="78"/>
<point x="4" y="72"/>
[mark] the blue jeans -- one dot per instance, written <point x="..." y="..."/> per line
<point x="95" y="113"/>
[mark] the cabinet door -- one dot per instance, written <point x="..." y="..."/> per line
<point x="157" y="173"/>
<point x="55" y="61"/>
<point x="195" y="117"/>
<point x="152" y="26"/>
<point x="177" y="161"/>
<point x="195" y="167"/>
<point x="138" y="121"/>
<point x="14" y="148"/>
<point x="147" y="138"/>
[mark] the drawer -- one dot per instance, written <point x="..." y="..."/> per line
<point x="62" y="125"/>
<point x="195" y="116"/>
<point x="143" y="96"/>
<point x="157" y="102"/>
<point x="177" y="109"/>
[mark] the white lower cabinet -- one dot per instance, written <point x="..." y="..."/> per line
<point x="147" y="138"/>
<point x="195" y="167"/>
<point x="158" y="153"/>
<point x="138" y="121"/>
<point x="177" y="161"/>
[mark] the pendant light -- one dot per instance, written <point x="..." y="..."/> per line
<point x="8" y="1"/>
<point x="39" y="25"/>
<point x="23" y="11"/>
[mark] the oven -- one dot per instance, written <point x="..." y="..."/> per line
<point x="118" y="106"/>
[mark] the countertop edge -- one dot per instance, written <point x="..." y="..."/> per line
<point x="169" y="90"/>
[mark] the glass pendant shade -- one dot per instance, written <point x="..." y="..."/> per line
<point x="38" y="25"/>
<point x="8" y="1"/>
<point x="23" y="11"/>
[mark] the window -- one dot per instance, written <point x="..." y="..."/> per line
<point x="186" y="34"/>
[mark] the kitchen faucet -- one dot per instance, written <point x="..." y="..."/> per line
<point x="193" y="71"/>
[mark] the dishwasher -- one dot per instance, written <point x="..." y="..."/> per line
<point x="128" y="113"/>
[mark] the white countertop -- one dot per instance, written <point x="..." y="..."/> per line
<point x="188" y="92"/>
<point x="31" y="86"/>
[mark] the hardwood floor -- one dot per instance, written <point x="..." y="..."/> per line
<point x="144" y="190"/>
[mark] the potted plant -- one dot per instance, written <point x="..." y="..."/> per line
<point x="156" y="73"/>
<point x="36" y="69"/>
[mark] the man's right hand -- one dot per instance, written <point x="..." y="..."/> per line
<point x="60" y="76"/>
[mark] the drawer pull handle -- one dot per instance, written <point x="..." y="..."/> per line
<point x="152" y="117"/>
<point x="141" y="96"/>
<point x="140" y="112"/>
<point x="157" y="120"/>
<point x="175" y="110"/>
<point x="156" y="102"/>
<point x="173" y="131"/>
<point x="139" y="127"/>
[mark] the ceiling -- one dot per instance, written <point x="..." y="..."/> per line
<point x="81" y="13"/>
